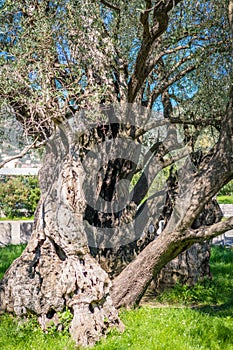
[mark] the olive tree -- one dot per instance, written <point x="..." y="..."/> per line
<point x="122" y="94"/>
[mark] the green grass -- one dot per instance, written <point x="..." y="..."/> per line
<point x="197" y="318"/>
<point x="23" y="335"/>
<point x="23" y="218"/>
<point x="218" y="291"/>
<point x="171" y="329"/>
<point x="225" y="199"/>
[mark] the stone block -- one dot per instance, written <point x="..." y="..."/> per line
<point x="25" y="231"/>
<point x="5" y="233"/>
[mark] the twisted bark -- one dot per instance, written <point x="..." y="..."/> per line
<point x="56" y="271"/>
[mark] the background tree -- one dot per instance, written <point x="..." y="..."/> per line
<point x="19" y="196"/>
<point x="87" y="78"/>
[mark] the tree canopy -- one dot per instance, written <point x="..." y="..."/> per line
<point x="63" y="55"/>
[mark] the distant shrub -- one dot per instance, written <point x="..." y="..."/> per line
<point x="227" y="190"/>
<point x="19" y="195"/>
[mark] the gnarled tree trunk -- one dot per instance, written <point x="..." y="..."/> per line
<point x="56" y="271"/>
<point x="71" y="65"/>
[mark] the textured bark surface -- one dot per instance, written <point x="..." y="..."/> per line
<point x="193" y="264"/>
<point x="44" y="281"/>
<point x="56" y="270"/>
<point x="187" y="268"/>
<point x="147" y="265"/>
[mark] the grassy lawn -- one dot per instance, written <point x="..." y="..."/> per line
<point x="23" y="218"/>
<point x="218" y="291"/>
<point x="225" y="199"/>
<point x="183" y="318"/>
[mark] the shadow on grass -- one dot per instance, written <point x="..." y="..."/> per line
<point x="223" y="310"/>
<point x="213" y="296"/>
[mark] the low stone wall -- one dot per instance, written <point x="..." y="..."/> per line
<point x="15" y="232"/>
<point x="227" y="210"/>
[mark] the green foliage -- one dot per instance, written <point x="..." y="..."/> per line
<point x="208" y="325"/>
<point x="221" y="256"/>
<point x="8" y="255"/>
<point x="65" y="318"/>
<point x="227" y="190"/>
<point x="19" y="195"/>
<point x="63" y="324"/>
<point x="32" y="39"/>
